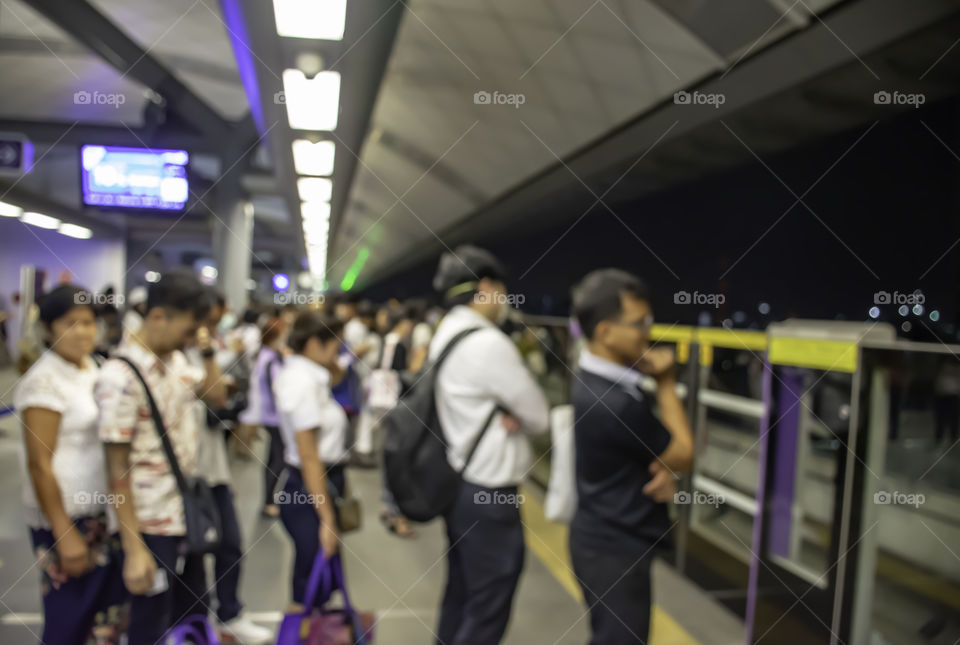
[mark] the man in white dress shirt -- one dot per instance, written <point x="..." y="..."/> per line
<point x="483" y="384"/>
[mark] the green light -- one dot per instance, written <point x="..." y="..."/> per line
<point x="354" y="271"/>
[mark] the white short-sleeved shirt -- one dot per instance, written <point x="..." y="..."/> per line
<point x="53" y="383"/>
<point x="421" y="336"/>
<point x="304" y="401"/>
<point x="125" y="418"/>
<point x="354" y="333"/>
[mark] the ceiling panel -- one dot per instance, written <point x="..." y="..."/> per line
<point x="18" y="19"/>
<point x="190" y="39"/>
<point x="73" y="88"/>
<point x="583" y="68"/>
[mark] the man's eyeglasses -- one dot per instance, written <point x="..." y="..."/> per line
<point x="644" y="324"/>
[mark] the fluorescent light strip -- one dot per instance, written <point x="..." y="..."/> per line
<point x="72" y="230"/>
<point x="323" y="19"/>
<point x="312" y="104"/>
<point x="9" y="210"/>
<point x="315" y="189"/>
<point x="314" y="158"/>
<point x="39" y="220"/>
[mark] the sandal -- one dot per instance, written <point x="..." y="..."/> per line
<point x="397" y="524"/>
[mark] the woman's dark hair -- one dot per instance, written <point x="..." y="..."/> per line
<point x="181" y="292"/>
<point x="272" y="329"/>
<point x="216" y="297"/>
<point x="313" y="324"/>
<point x="597" y="296"/>
<point x="57" y="302"/>
<point x="366" y="309"/>
<point x="415" y="310"/>
<point x="251" y="316"/>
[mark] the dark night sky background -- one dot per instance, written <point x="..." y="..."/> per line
<point x="893" y="200"/>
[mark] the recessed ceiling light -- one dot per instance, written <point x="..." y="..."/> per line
<point x="40" y="220"/>
<point x="313" y="158"/>
<point x="312" y="104"/>
<point x="9" y="210"/>
<point x="315" y="189"/>
<point x="72" y="230"/>
<point x="310" y="18"/>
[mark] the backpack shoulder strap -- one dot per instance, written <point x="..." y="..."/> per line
<point x="159" y="425"/>
<point x="453" y="342"/>
<point x="486" y="424"/>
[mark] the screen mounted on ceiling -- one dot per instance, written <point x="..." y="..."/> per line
<point x="116" y="177"/>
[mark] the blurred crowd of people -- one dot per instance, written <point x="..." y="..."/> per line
<point x="130" y="417"/>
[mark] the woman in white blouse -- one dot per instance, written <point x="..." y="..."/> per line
<point x="67" y="497"/>
<point x="313" y="426"/>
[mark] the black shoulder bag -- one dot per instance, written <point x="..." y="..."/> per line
<point x="200" y="510"/>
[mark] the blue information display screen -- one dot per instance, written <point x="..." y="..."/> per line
<point x="134" y="177"/>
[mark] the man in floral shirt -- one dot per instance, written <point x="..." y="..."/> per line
<point x="166" y="586"/>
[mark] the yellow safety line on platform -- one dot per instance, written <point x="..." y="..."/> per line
<point x="548" y="541"/>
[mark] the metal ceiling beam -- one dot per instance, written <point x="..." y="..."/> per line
<point x="88" y="26"/>
<point x="64" y="133"/>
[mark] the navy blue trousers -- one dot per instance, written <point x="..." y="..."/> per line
<point x="226" y="561"/>
<point x="300" y="519"/>
<point x="617" y="590"/>
<point x="484" y="562"/>
<point x="152" y="616"/>
<point x="94" y="603"/>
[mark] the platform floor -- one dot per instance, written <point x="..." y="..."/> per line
<point x="400" y="579"/>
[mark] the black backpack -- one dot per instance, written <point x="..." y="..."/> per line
<point x="423" y="483"/>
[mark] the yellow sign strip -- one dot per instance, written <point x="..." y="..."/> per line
<point x="671" y="333"/>
<point x="732" y="338"/>
<point x="829" y="355"/>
